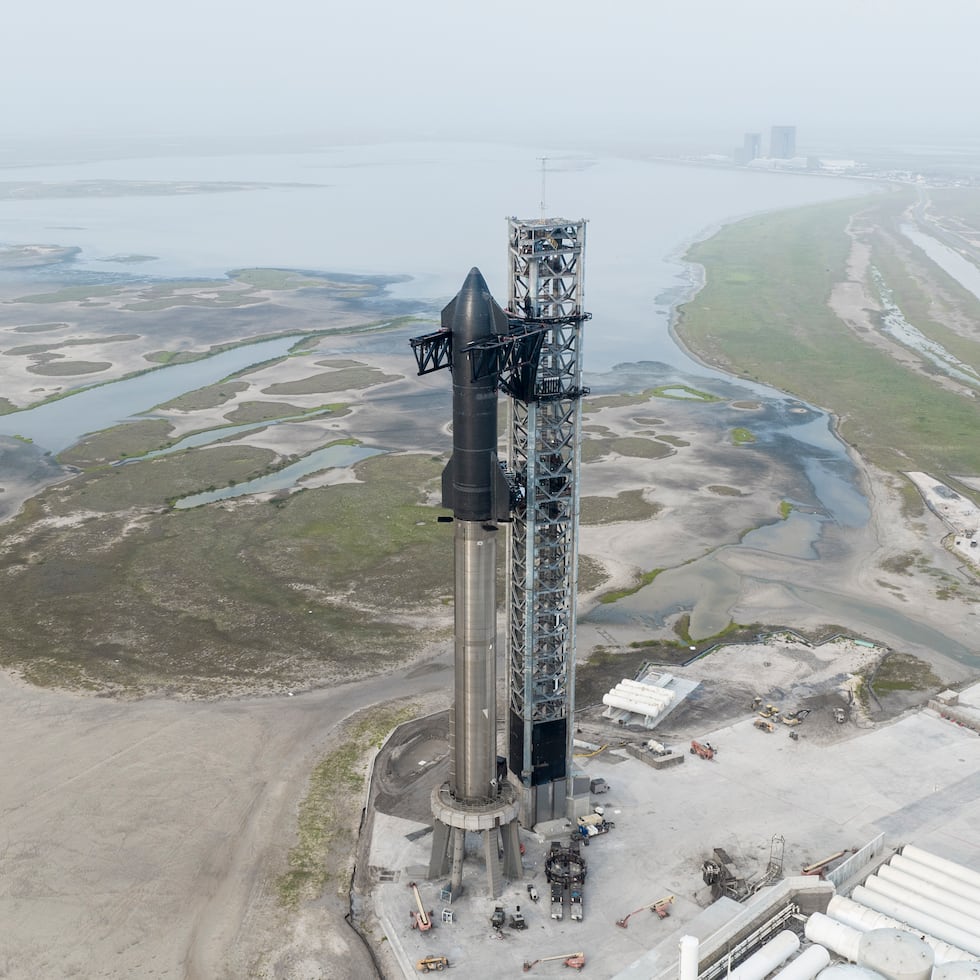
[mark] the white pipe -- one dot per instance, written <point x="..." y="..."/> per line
<point x="863" y="919"/>
<point x="960" y="918"/>
<point x="806" y="966"/>
<point x="919" y="920"/>
<point x="937" y="893"/>
<point x="934" y="877"/>
<point x="951" y="868"/>
<point x="836" y="936"/>
<point x="689" y="958"/>
<point x="759" y="965"/>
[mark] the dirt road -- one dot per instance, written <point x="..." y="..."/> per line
<point x="142" y="838"/>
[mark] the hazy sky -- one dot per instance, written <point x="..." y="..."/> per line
<point x="569" y="70"/>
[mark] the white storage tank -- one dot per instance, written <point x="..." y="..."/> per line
<point x="759" y="965"/>
<point x="934" y="877"/>
<point x="863" y="919"/>
<point x="806" y="966"/>
<point x="951" y="868"/>
<point x="896" y="954"/>
<point x="848" y="971"/>
<point x="957" y="971"/>
<point x="842" y="939"/>
<point x="964" y="915"/>
<point x="689" y="947"/>
<point x="931" y="890"/>
<point x="918" y="920"/>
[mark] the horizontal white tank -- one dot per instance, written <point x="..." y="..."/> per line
<point x="919" y="920"/>
<point x="836" y="936"/>
<point x="951" y="868"/>
<point x="759" y="965"/>
<point x="644" y="708"/>
<point x="848" y="971"/>
<point x="934" y="877"/>
<point x="863" y="919"/>
<point x="896" y="954"/>
<point x="961" y="918"/>
<point x="957" y="971"/>
<point x="642" y="692"/>
<point x="927" y="889"/>
<point x="806" y="966"/>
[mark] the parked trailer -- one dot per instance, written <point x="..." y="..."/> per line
<point x="557" y="901"/>
<point x="575" y="904"/>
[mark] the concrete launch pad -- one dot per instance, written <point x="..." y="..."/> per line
<point x="917" y="780"/>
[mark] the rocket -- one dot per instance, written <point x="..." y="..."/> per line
<point x="475" y="488"/>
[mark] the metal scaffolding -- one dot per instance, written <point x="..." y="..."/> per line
<point x="546" y="258"/>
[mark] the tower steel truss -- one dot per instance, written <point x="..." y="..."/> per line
<point x="546" y="259"/>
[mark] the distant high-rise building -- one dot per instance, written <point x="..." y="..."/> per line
<point x="782" y="142"/>
<point x="751" y="147"/>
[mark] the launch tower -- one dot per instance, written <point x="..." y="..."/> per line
<point x="546" y="266"/>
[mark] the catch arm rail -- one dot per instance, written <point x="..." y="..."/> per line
<point x="433" y="351"/>
<point x="511" y="358"/>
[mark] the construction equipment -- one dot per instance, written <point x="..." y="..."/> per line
<point x="598" y="786"/>
<point x="532" y="892"/>
<point x="498" y="918"/>
<point x="661" y="907"/>
<point x="840" y="716"/>
<point x="421" y="919"/>
<point x="769" y="711"/>
<point x="756" y="703"/>
<point x="574" y="960"/>
<point x="591" y="825"/>
<point x="795" y="736"/>
<point x="704" y="750"/>
<point x="429" y="964"/>
<point x="557" y="901"/>
<point x="575" y="903"/>
<point x="517" y="920"/>
<point x="764" y="725"/>
<point x="796" y="717"/>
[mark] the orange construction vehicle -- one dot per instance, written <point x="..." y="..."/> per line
<point x="421" y="919"/>
<point x="703" y="749"/>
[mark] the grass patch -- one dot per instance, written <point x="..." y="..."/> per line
<point x="224" y="598"/>
<point x="59" y="369"/>
<point x="742" y="437"/>
<point x="634" y="446"/>
<point x="118" y="442"/>
<point x="782" y="330"/>
<point x="629" y="505"/>
<point x="262" y="412"/>
<point x="785" y="509"/>
<point x="342" y="379"/>
<point x="903" y="672"/>
<point x="683" y="393"/>
<point x="591" y="573"/>
<point x="642" y="580"/>
<point x="724" y="491"/>
<point x="327" y="822"/>
<point x="205" y="398"/>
